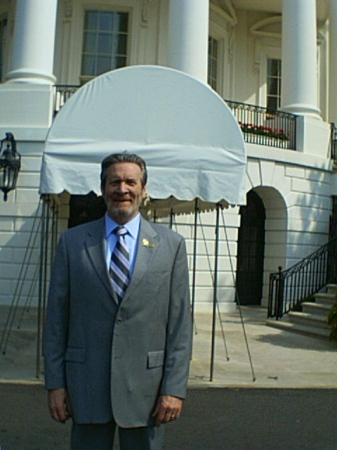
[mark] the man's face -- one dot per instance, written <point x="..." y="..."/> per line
<point x="123" y="191"/>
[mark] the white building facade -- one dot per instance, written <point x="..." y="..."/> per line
<point x="275" y="63"/>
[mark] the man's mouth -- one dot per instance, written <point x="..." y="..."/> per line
<point x="121" y="200"/>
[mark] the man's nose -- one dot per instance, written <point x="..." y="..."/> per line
<point x="122" y="187"/>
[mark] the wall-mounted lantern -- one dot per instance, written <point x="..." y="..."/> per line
<point x="10" y="163"/>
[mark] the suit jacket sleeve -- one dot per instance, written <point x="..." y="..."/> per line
<point x="56" y="327"/>
<point x="179" y="329"/>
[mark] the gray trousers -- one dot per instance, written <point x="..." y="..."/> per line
<point x="101" y="437"/>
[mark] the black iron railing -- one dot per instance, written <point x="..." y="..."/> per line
<point x="265" y="127"/>
<point x="333" y="142"/>
<point x="62" y="94"/>
<point x="289" y="288"/>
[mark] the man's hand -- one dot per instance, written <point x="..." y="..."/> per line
<point x="59" y="404"/>
<point x="168" y="408"/>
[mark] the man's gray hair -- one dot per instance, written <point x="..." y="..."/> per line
<point x="120" y="158"/>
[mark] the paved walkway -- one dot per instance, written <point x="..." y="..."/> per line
<point x="273" y="358"/>
<point x="278" y="359"/>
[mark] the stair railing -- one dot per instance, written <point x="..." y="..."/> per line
<point x="289" y="288"/>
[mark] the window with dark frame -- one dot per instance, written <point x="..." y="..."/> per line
<point x="105" y="42"/>
<point x="274" y="67"/>
<point x="213" y="59"/>
<point x="3" y="37"/>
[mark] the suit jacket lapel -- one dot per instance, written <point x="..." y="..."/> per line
<point x="94" y="243"/>
<point x="147" y="247"/>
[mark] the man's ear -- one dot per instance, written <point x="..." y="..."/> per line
<point x="144" y="193"/>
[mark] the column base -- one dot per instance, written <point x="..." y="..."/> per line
<point x="30" y="76"/>
<point x="303" y="109"/>
<point x="27" y="111"/>
<point x="313" y="136"/>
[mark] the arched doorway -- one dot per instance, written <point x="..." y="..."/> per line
<point x="251" y="242"/>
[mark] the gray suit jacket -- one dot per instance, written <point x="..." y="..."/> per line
<point x="115" y="360"/>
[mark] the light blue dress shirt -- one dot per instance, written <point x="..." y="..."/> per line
<point x="131" y="238"/>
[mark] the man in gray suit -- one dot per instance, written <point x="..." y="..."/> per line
<point x="117" y="339"/>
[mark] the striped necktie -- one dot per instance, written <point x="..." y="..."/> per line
<point x="119" y="264"/>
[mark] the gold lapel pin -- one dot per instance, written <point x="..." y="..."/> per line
<point x="147" y="243"/>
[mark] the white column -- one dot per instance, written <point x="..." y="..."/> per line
<point x="299" y="57"/>
<point x="333" y="61"/>
<point x="188" y="37"/>
<point x="32" y="56"/>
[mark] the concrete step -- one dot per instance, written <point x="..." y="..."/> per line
<point x="308" y="319"/>
<point x="312" y="320"/>
<point x="332" y="289"/>
<point x="316" y="308"/>
<point x="299" y="328"/>
<point x="327" y="298"/>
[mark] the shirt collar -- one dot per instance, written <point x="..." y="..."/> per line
<point x="132" y="226"/>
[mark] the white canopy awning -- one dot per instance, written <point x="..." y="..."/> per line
<point x="185" y="132"/>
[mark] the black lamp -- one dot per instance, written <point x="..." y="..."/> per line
<point x="10" y="163"/>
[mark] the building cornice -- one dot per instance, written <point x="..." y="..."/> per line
<point x="289" y="157"/>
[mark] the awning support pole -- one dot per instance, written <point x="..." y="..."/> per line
<point x="194" y="273"/>
<point x="41" y="288"/>
<point x="215" y="287"/>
